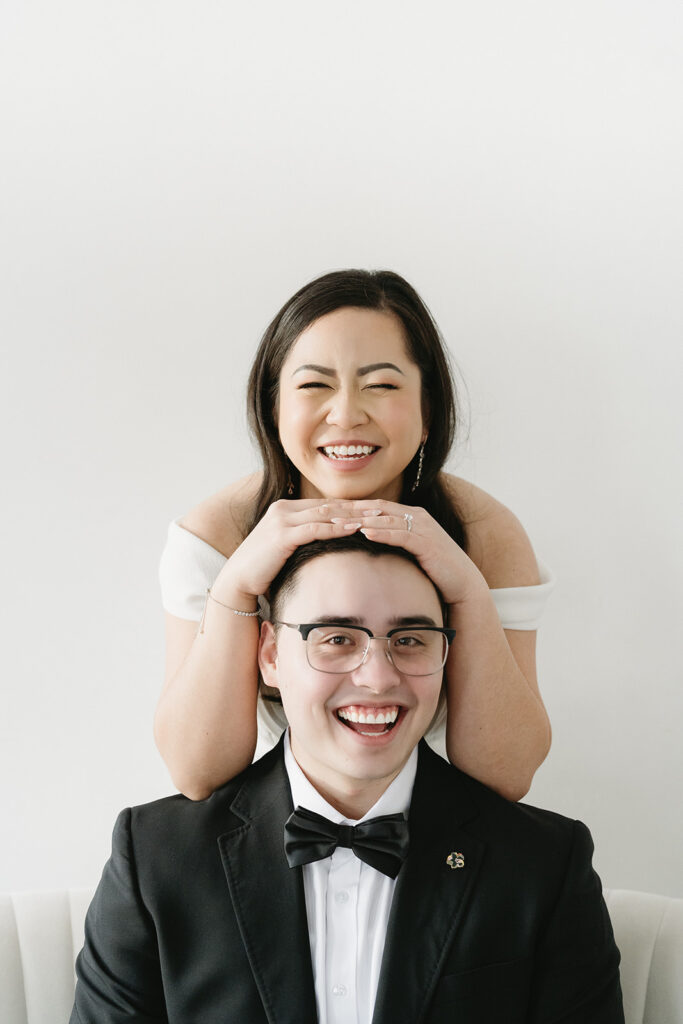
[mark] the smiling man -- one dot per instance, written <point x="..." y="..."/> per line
<point x="357" y="706"/>
<point x="350" y="875"/>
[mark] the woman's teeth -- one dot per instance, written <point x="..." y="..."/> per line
<point x="344" y="451"/>
<point x="385" y="717"/>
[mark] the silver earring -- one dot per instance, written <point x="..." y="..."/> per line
<point x="419" y="468"/>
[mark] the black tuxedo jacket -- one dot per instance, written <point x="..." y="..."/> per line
<point x="198" y="918"/>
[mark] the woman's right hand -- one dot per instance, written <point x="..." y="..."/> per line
<point x="287" y="524"/>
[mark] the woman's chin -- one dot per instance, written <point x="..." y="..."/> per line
<point x="343" y="490"/>
<point x="350" y="486"/>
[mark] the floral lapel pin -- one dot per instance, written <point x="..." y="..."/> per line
<point x="455" y="860"/>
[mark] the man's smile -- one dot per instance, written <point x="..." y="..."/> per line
<point x="370" y="720"/>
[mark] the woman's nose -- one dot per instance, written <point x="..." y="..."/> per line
<point x="347" y="410"/>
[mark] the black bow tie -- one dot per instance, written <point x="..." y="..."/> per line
<point x="380" y="842"/>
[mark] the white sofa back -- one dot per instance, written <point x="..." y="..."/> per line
<point x="649" y="934"/>
<point x="41" y="933"/>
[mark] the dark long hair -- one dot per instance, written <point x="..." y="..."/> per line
<point x="384" y="291"/>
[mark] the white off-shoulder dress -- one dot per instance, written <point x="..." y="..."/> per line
<point x="189" y="565"/>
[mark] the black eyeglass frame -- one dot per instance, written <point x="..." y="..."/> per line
<point x="305" y="628"/>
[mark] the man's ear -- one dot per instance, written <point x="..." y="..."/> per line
<point x="267" y="655"/>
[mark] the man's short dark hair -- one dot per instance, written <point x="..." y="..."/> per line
<point x="285" y="581"/>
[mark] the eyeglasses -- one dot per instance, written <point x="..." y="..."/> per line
<point x="413" y="651"/>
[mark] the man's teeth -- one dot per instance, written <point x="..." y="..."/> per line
<point x="386" y="717"/>
<point x="343" y="451"/>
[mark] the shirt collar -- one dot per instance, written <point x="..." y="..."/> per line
<point x="394" y="800"/>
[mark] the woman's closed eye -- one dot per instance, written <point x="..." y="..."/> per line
<point x="311" y="385"/>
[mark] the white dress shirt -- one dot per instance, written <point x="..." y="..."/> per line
<point x="347" y="905"/>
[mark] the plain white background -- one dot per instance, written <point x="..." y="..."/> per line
<point x="170" y="174"/>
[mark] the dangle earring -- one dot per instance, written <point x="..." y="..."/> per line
<point x="419" y="468"/>
<point x="290" y="481"/>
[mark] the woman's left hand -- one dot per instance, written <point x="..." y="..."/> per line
<point x="412" y="528"/>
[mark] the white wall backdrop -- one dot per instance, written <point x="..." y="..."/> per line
<point x="170" y="173"/>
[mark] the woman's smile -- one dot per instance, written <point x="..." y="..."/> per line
<point x="353" y="450"/>
<point x="349" y="456"/>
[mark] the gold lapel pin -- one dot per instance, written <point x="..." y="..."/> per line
<point x="455" y="860"/>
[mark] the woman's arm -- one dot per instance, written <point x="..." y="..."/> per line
<point x="205" y="722"/>
<point x="497" y="729"/>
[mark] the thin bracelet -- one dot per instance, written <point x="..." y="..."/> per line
<point x="235" y="611"/>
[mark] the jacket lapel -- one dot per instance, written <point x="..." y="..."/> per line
<point x="430" y="896"/>
<point x="268" y="895"/>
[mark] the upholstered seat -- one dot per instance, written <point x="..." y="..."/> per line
<point x="649" y="934"/>
<point x="41" y="933"/>
<point x="40" y="936"/>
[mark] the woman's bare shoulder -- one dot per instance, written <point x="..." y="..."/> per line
<point x="221" y="520"/>
<point x="496" y="540"/>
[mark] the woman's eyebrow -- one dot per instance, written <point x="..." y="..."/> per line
<point x="361" y="372"/>
<point x="327" y="371"/>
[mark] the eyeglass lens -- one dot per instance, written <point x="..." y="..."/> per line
<point x="416" y="652"/>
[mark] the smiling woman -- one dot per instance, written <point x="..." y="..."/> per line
<point x="349" y="427"/>
<point x="352" y="405"/>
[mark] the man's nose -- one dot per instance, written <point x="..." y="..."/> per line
<point x="378" y="672"/>
<point x="347" y="409"/>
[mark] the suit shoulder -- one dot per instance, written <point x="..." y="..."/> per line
<point x="544" y="844"/>
<point x="526" y="817"/>
<point x="502" y="816"/>
<point x="178" y="811"/>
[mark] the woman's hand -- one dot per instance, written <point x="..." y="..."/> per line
<point x="413" y="528"/>
<point x="285" y="526"/>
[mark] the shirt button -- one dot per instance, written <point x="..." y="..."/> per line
<point x="342" y="896"/>
<point x="339" y="990"/>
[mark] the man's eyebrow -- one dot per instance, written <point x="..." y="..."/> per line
<point x="414" y="620"/>
<point x="355" y="620"/>
<point x="362" y="371"/>
<point x="339" y="620"/>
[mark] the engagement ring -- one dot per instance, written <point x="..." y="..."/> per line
<point x="409" y="521"/>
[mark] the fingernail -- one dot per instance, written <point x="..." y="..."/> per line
<point x="352" y="526"/>
<point x="372" y="512"/>
<point x="337" y="519"/>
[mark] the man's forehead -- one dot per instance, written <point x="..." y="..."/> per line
<point x="353" y="584"/>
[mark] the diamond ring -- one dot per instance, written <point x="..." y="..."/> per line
<point x="409" y="521"/>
